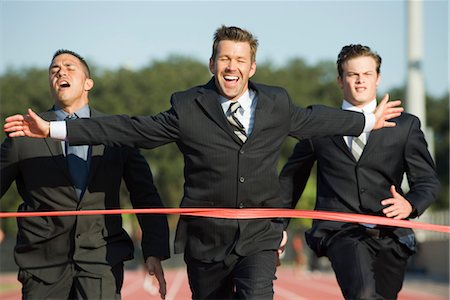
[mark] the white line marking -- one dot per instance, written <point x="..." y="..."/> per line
<point x="176" y="285"/>
<point x="133" y="287"/>
<point x="286" y="294"/>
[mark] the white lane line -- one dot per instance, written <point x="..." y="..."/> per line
<point x="176" y="285"/>
<point x="133" y="287"/>
<point x="286" y="294"/>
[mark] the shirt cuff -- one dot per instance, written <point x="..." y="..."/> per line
<point x="370" y="122"/>
<point x="58" y="130"/>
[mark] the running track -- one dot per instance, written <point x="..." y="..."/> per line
<point x="288" y="286"/>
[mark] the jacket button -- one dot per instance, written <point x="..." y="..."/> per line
<point x="241" y="205"/>
<point x="241" y="179"/>
<point x="241" y="151"/>
<point x="362" y="191"/>
<point x="78" y="236"/>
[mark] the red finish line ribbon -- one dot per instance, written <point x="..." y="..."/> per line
<point x="248" y="213"/>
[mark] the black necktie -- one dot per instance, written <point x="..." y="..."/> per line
<point x="77" y="162"/>
<point x="238" y="128"/>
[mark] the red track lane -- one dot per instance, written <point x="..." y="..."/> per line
<point x="288" y="286"/>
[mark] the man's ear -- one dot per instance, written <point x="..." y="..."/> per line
<point x="378" y="79"/>
<point x="252" y="69"/>
<point x="88" y="84"/>
<point x="212" y="65"/>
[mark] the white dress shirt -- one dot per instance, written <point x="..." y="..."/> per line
<point x="366" y="110"/>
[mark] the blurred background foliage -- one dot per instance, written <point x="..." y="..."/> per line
<point x="147" y="91"/>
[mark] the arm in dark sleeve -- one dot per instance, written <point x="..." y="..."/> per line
<point x="8" y="165"/>
<point x="295" y="174"/>
<point x="122" y="130"/>
<point x="320" y="121"/>
<point x="143" y="194"/>
<point x="420" y="170"/>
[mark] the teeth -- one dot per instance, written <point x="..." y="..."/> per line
<point x="231" y="78"/>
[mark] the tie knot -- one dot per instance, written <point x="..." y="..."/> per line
<point x="71" y="117"/>
<point x="234" y="106"/>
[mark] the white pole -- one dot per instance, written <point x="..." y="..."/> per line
<point x="415" y="93"/>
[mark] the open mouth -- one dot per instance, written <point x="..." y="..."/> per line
<point x="64" y="84"/>
<point x="231" y="78"/>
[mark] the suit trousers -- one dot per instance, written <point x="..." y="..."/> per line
<point x="368" y="265"/>
<point x="239" y="277"/>
<point x="74" y="283"/>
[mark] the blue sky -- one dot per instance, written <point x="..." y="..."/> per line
<point x="111" y="34"/>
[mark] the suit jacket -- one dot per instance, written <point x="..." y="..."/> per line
<point x="347" y="185"/>
<point x="220" y="170"/>
<point x="95" y="243"/>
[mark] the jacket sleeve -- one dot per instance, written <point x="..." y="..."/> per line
<point x="122" y="130"/>
<point x="295" y="174"/>
<point x="8" y="165"/>
<point x="143" y="194"/>
<point x="420" y="170"/>
<point x="319" y="121"/>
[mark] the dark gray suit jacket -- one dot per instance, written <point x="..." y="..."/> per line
<point x="95" y="243"/>
<point x="221" y="171"/>
<point x="347" y="185"/>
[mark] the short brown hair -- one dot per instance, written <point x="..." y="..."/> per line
<point x="236" y="34"/>
<point x="356" y="50"/>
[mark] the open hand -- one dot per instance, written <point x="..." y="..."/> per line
<point x="398" y="207"/>
<point x="386" y="111"/>
<point x="30" y="125"/>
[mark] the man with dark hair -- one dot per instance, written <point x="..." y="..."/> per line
<point x="230" y="131"/>
<point x="363" y="175"/>
<point x="78" y="257"/>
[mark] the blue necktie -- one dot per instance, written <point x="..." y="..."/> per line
<point x="77" y="161"/>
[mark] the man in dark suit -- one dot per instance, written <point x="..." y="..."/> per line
<point x="78" y="257"/>
<point x="230" y="131"/>
<point x="363" y="175"/>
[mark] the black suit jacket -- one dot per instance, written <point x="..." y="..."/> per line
<point x="220" y="170"/>
<point x="97" y="242"/>
<point x="347" y="185"/>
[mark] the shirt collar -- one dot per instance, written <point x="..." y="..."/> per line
<point x="61" y="114"/>
<point x="245" y="101"/>
<point x="368" y="108"/>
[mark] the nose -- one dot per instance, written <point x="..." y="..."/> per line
<point x="231" y="64"/>
<point x="61" y="72"/>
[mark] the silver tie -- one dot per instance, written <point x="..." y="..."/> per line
<point x="238" y="128"/>
<point x="357" y="147"/>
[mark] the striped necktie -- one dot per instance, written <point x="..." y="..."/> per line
<point x="357" y="146"/>
<point x="238" y="128"/>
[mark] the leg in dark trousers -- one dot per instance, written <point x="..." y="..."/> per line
<point x="367" y="267"/>
<point x="249" y="277"/>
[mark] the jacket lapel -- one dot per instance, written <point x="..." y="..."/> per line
<point x="340" y="143"/>
<point x="264" y="108"/>
<point x="97" y="151"/>
<point x="374" y="139"/>
<point x="55" y="147"/>
<point x="209" y="101"/>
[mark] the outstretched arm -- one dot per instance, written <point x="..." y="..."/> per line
<point x="30" y="125"/>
